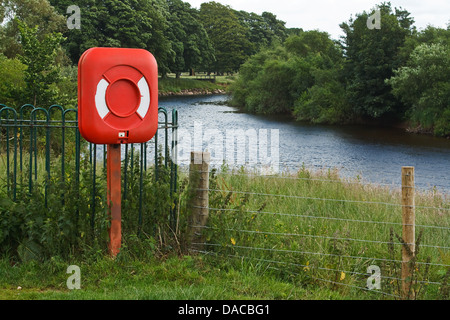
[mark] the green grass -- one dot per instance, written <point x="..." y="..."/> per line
<point x="310" y="235"/>
<point x="168" y="85"/>
<point x="261" y="247"/>
<point x="173" y="278"/>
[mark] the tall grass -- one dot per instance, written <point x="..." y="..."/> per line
<point x="318" y="228"/>
<point x="309" y="235"/>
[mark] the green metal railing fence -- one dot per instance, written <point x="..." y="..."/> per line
<point x="32" y="139"/>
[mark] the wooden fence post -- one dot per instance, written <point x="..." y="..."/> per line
<point x="408" y="232"/>
<point x="199" y="180"/>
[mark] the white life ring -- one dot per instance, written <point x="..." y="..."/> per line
<point x="102" y="106"/>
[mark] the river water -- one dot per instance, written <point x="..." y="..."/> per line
<point x="373" y="154"/>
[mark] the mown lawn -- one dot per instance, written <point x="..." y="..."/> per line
<point x="174" y="278"/>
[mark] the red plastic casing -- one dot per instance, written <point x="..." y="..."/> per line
<point x="117" y="95"/>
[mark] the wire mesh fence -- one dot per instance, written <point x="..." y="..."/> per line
<point x="320" y="228"/>
<point x="43" y="157"/>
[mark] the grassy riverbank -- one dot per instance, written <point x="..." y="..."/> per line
<point x="187" y="85"/>
<point x="269" y="238"/>
<point x="173" y="278"/>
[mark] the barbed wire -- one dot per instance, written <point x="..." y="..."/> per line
<point x="321" y="199"/>
<point x="292" y="171"/>
<point x="316" y="236"/>
<point x="315" y="253"/>
<point x="294" y="168"/>
<point x="272" y="251"/>
<point x="325" y="218"/>
<point x="313" y="277"/>
<point x="281" y="177"/>
<point x="307" y="266"/>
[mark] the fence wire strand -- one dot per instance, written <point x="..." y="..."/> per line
<point x="281" y="177"/>
<point x="315" y="253"/>
<point x="321" y="199"/>
<point x="250" y="248"/>
<point x="313" y="277"/>
<point x="325" y="218"/>
<point x="316" y="236"/>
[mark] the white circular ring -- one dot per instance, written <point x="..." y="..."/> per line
<point x="102" y="107"/>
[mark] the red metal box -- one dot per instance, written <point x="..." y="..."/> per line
<point x="117" y="95"/>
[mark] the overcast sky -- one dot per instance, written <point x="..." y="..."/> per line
<point x="326" y="15"/>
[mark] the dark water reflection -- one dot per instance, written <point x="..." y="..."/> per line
<point x="373" y="153"/>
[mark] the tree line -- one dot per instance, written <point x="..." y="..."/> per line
<point x="394" y="75"/>
<point x="39" y="53"/>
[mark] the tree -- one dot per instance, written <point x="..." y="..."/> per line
<point x="314" y="42"/>
<point x="263" y="30"/>
<point x="31" y="12"/>
<point x="429" y="35"/>
<point x="188" y="38"/>
<point x="424" y="84"/>
<point x="371" y="57"/>
<point x="302" y="78"/>
<point x="39" y="58"/>
<point x="228" y="36"/>
<point x="12" y="85"/>
<point x="325" y="100"/>
<point x="277" y="27"/>
<point x="114" y="23"/>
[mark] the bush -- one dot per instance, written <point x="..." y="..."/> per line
<point x="12" y="83"/>
<point x="292" y="79"/>
<point x="56" y="218"/>
<point x="424" y="84"/>
<point x="325" y="102"/>
<point x="442" y="127"/>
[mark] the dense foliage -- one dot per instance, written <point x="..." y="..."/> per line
<point x="424" y="84"/>
<point x="367" y="76"/>
<point x="390" y="75"/>
<point x="68" y="216"/>
<point x="371" y="57"/>
<point x="213" y="38"/>
<point x="301" y="77"/>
